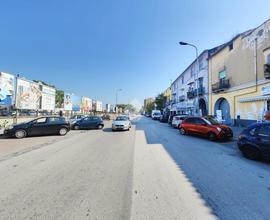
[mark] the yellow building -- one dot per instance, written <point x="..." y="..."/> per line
<point x="168" y="95"/>
<point x="239" y="77"/>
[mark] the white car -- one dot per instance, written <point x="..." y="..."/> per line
<point x="177" y="120"/>
<point x="121" y="123"/>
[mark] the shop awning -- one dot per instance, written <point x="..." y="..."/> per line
<point x="255" y="98"/>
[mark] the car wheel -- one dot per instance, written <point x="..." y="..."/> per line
<point x="20" y="134"/>
<point x="212" y="136"/>
<point x="100" y="126"/>
<point x="63" y="131"/>
<point x="76" y="127"/>
<point x="251" y="153"/>
<point x="182" y="131"/>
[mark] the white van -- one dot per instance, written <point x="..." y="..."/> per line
<point x="156" y="114"/>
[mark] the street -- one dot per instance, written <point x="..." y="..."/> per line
<point x="100" y="174"/>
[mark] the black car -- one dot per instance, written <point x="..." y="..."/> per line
<point x="163" y="118"/>
<point x="254" y="141"/>
<point x="39" y="126"/>
<point x="89" y="122"/>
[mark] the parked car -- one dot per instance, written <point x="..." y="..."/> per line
<point x="177" y="120"/>
<point x="74" y="118"/>
<point x="206" y="126"/>
<point x="121" y="123"/>
<point x="163" y="118"/>
<point x="254" y="141"/>
<point x="39" y="126"/>
<point x="89" y="122"/>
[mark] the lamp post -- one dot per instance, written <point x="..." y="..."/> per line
<point x="198" y="69"/>
<point x="116" y="98"/>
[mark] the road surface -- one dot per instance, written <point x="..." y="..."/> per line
<point x="150" y="172"/>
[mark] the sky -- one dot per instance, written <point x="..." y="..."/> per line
<point x="94" y="47"/>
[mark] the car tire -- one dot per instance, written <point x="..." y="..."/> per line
<point x="100" y="127"/>
<point x="63" y="131"/>
<point x="251" y="153"/>
<point x="182" y="131"/>
<point x="76" y="127"/>
<point x="20" y="134"/>
<point x="212" y="136"/>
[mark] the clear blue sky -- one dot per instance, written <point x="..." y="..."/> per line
<point x="92" y="47"/>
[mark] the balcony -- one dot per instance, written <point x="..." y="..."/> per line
<point x="201" y="90"/>
<point x="221" y="85"/>
<point x="267" y="71"/>
<point x="182" y="98"/>
<point x="191" y="94"/>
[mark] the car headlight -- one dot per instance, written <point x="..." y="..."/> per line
<point x="219" y="129"/>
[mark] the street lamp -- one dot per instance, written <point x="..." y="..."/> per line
<point x="116" y="97"/>
<point x="182" y="43"/>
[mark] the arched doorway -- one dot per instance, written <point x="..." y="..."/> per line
<point x="203" y="107"/>
<point x="223" y="105"/>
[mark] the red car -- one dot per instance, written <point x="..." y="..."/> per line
<point x="205" y="126"/>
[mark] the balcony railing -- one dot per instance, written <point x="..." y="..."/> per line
<point x="267" y="71"/>
<point x="201" y="90"/>
<point x="182" y="98"/>
<point x="221" y="85"/>
<point x="191" y="94"/>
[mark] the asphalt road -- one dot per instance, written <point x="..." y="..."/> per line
<point x="150" y="172"/>
<point x="234" y="187"/>
<point x="85" y="177"/>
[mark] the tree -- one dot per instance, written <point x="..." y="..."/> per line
<point x="59" y="98"/>
<point x="128" y="107"/>
<point x="149" y="107"/>
<point x="160" y="101"/>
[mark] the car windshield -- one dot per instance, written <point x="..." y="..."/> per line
<point x="212" y="121"/>
<point x="122" y="118"/>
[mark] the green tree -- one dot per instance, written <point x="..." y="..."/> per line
<point x="160" y="101"/>
<point x="59" y="98"/>
<point x="149" y="107"/>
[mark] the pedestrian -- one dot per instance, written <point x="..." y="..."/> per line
<point x="61" y="113"/>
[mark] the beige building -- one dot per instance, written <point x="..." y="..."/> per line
<point x="239" y="77"/>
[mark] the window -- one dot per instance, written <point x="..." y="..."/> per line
<point x="199" y="121"/>
<point x="201" y="67"/>
<point x="268" y="59"/>
<point x="192" y="72"/>
<point x="201" y="82"/>
<point x="264" y="131"/>
<point x="222" y="74"/>
<point x="231" y="46"/>
<point x="183" y="80"/>
<point x="268" y="105"/>
<point x="55" y="120"/>
<point x="41" y="120"/>
<point x="191" y="120"/>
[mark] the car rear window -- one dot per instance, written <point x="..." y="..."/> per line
<point x="190" y="120"/>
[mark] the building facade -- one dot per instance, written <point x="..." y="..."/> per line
<point x="190" y="89"/>
<point x="239" y="77"/>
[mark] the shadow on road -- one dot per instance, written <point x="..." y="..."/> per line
<point x="210" y="167"/>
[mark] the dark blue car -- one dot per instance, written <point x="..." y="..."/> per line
<point x="254" y="141"/>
